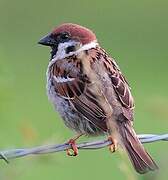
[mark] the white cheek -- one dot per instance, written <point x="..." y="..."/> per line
<point x="61" y="52"/>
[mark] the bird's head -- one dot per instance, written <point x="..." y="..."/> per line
<point x="69" y="39"/>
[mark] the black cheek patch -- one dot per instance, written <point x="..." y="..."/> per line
<point x="70" y="49"/>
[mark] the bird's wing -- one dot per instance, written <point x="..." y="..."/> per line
<point x="119" y="83"/>
<point x="73" y="84"/>
<point x="74" y="80"/>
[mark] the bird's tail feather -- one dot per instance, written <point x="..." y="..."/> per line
<point x="140" y="159"/>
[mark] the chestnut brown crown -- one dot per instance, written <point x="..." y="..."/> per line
<point x="67" y="32"/>
<point x="75" y="32"/>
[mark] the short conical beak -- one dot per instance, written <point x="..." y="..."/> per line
<point x="47" y="41"/>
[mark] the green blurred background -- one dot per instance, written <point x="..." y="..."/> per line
<point x="134" y="32"/>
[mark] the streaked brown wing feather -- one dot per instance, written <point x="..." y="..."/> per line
<point x="80" y="93"/>
<point x="119" y="82"/>
<point x="87" y="105"/>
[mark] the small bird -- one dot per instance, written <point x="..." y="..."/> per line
<point x="91" y="94"/>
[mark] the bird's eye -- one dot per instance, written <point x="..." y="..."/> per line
<point x="64" y="36"/>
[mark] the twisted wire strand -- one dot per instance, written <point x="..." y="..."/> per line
<point x="6" y="155"/>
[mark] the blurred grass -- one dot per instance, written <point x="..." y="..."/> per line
<point x="134" y="32"/>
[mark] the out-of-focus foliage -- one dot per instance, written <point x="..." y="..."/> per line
<point x="134" y="32"/>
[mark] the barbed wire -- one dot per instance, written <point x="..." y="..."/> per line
<point x="46" y="149"/>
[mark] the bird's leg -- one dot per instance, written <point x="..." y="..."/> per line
<point x="112" y="134"/>
<point x="113" y="146"/>
<point x="72" y="143"/>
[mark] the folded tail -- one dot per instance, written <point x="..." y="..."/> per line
<point x="140" y="159"/>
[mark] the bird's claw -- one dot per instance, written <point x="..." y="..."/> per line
<point x="74" y="148"/>
<point x="113" y="146"/>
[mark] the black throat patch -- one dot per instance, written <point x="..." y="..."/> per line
<point x="54" y="50"/>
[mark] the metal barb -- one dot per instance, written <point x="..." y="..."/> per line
<point x="2" y="156"/>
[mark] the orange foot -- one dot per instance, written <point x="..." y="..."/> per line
<point x="113" y="146"/>
<point x="74" y="148"/>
